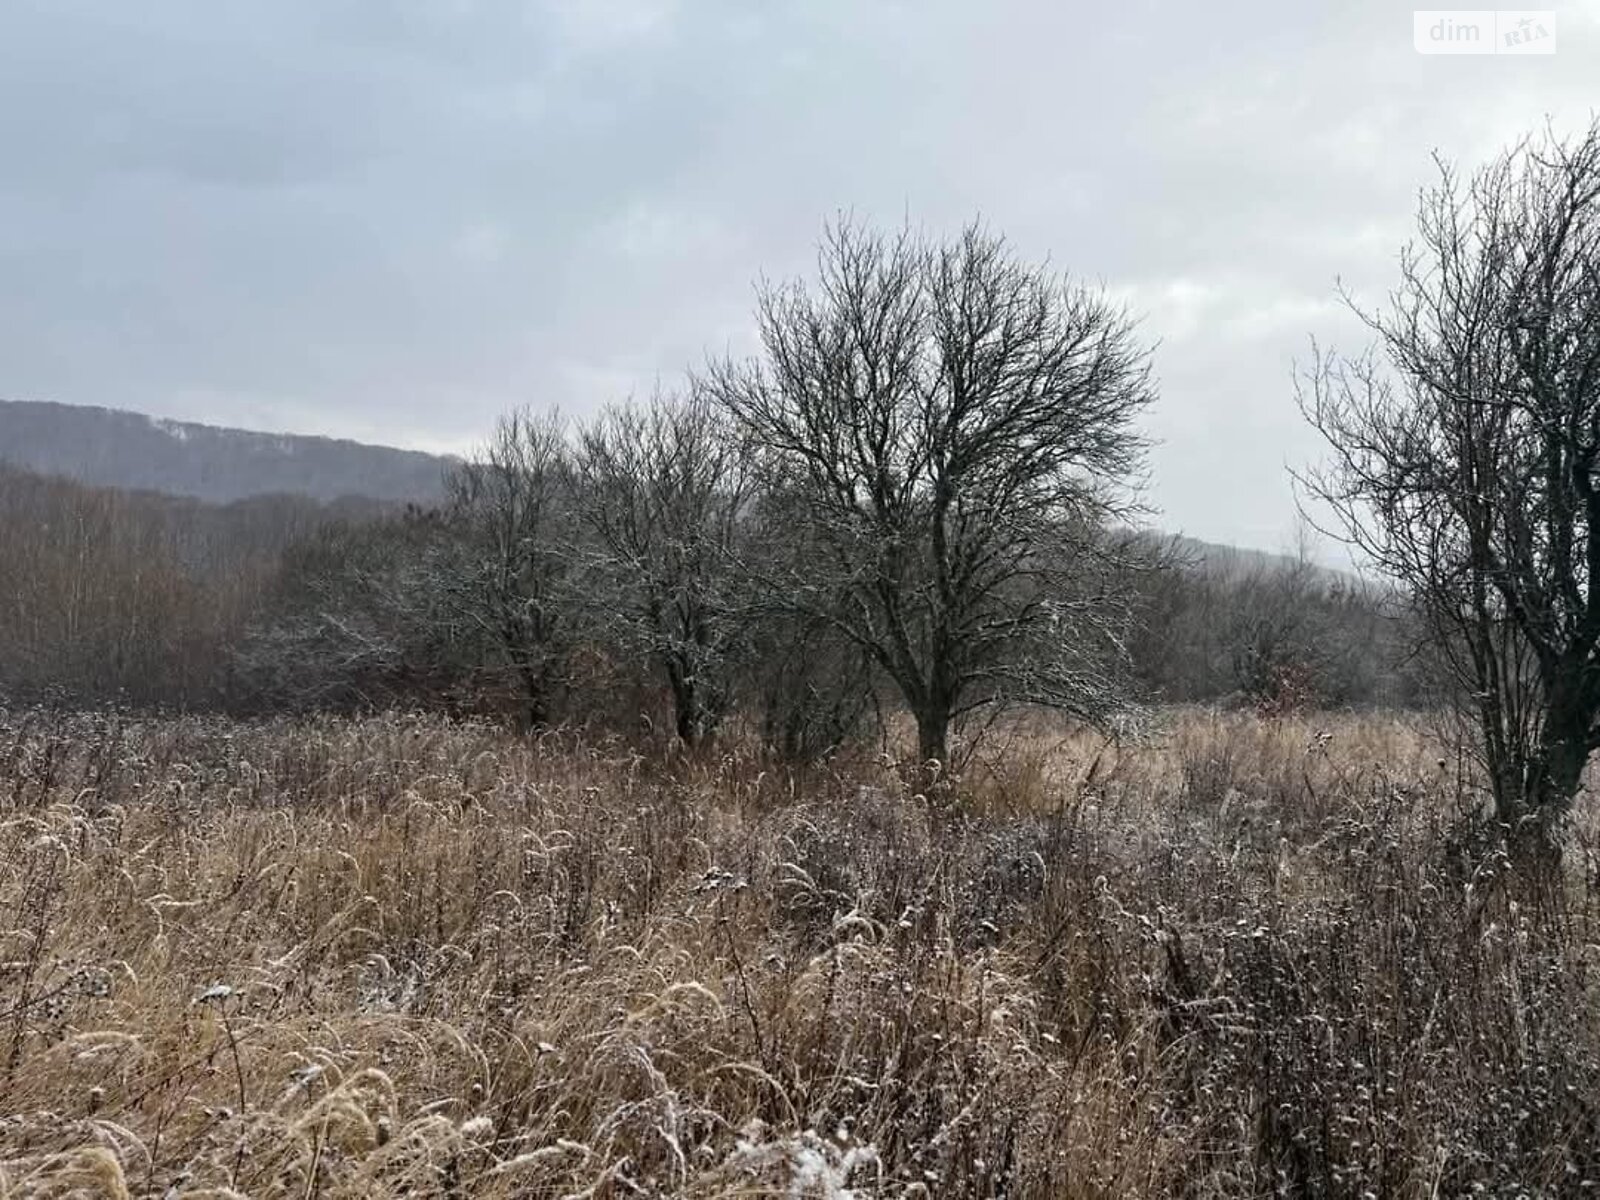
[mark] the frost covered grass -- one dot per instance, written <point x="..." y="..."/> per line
<point x="405" y="957"/>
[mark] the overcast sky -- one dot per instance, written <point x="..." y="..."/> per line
<point x="393" y="219"/>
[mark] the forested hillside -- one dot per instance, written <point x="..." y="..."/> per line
<point x="109" y="448"/>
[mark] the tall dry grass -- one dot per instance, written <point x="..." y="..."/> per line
<point x="402" y="957"/>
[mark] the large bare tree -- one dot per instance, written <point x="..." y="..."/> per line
<point x="953" y="432"/>
<point x="663" y="488"/>
<point x="1466" y="455"/>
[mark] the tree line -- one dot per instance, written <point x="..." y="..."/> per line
<point x="922" y="496"/>
<point x="917" y="490"/>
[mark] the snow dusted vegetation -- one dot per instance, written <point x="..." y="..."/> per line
<point x="408" y="957"/>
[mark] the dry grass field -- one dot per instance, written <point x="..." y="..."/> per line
<point x="404" y="957"/>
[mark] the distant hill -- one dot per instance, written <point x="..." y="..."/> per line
<point x="1236" y="562"/>
<point x="1229" y="561"/>
<point x="110" y="448"/>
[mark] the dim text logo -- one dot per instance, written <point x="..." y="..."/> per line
<point x="1483" y="31"/>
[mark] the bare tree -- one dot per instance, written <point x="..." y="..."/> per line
<point x="1274" y="631"/>
<point x="811" y="687"/>
<point x="367" y="614"/>
<point x="811" y="690"/>
<point x="509" y="572"/>
<point x="663" y="488"/>
<point x="959" y="428"/>
<point x="1275" y="628"/>
<point x="1467" y="469"/>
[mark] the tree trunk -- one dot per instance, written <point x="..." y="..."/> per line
<point x="698" y="703"/>
<point x="1558" y="766"/>
<point x="933" y="732"/>
<point x="535" y="700"/>
<point x="689" y="721"/>
<point x="535" y="716"/>
<point x="686" y="709"/>
<point x="1536" y="787"/>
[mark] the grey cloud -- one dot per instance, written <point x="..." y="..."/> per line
<point x="392" y="221"/>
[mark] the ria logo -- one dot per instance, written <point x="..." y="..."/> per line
<point x="1483" y="31"/>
